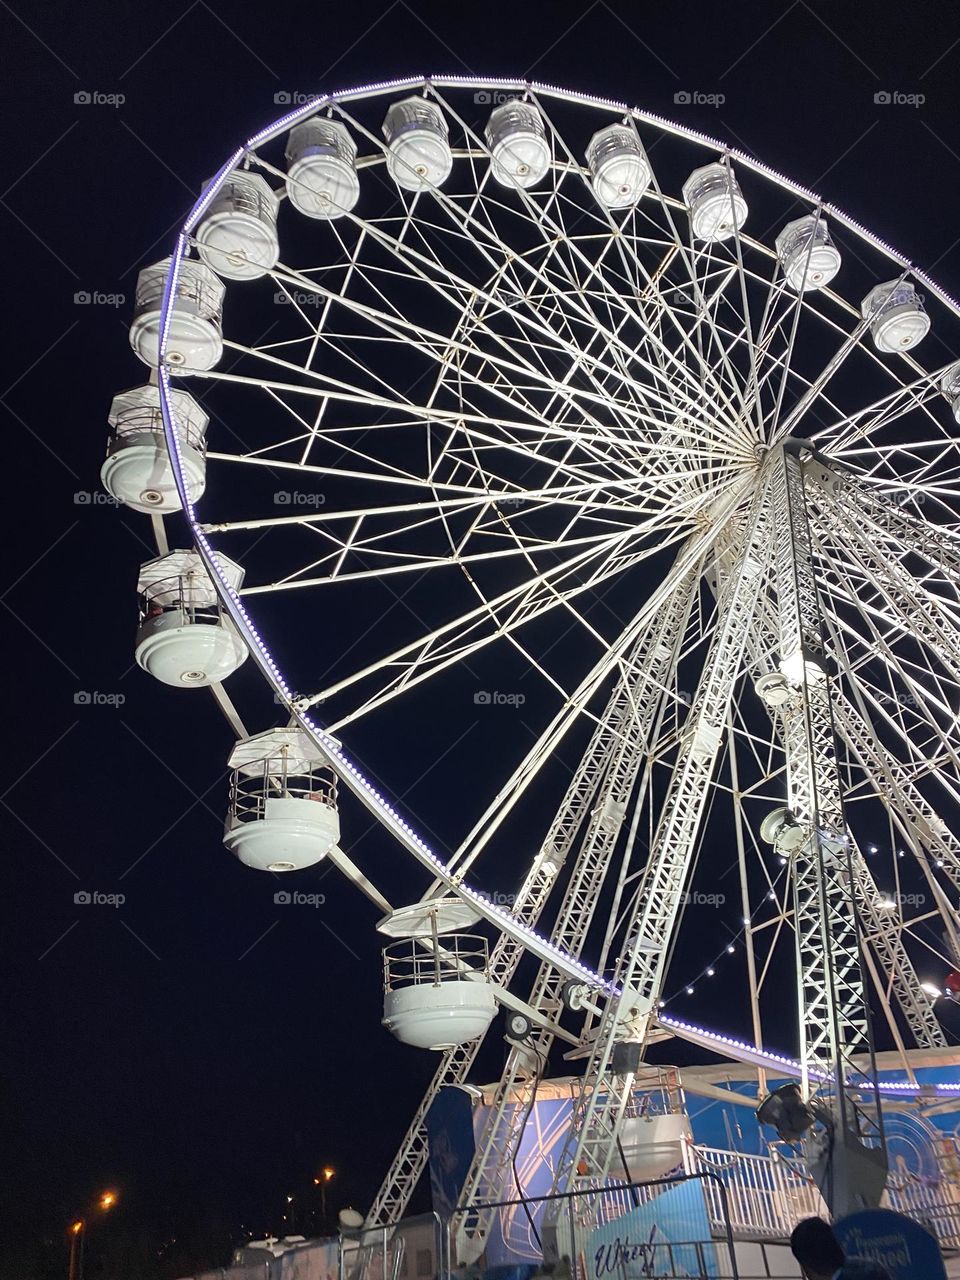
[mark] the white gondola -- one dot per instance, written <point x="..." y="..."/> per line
<point x="519" y="149"/>
<point x="651" y="1145"/>
<point x="807" y="254"/>
<point x="238" y="235"/>
<point x="437" y="991"/>
<point x="717" y="207"/>
<point x="194" y="337"/>
<point x="185" y="639"/>
<point x="896" y="316"/>
<point x="618" y="166"/>
<point x="137" y="470"/>
<point x="322" y="177"/>
<point x="418" y="150"/>
<point x="283" y="802"/>
<point x="950" y="386"/>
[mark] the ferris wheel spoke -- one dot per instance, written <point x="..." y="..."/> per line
<point x="440" y="349"/>
<point x="937" y="544"/>
<point x="851" y="342"/>
<point x="436" y="346"/>
<point x="911" y="813"/>
<point x="577" y="497"/>
<point x="895" y="977"/>
<point x="456" y="640"/>
<point x="384" y="563"/>
<point x="902" y="714"/>
<point x="713" y="276"/>
<point x="521" y="604"/>
<point x="922" y="615"/>
<point x="471" y="227"/>
<point x="857" y="428"/>
<point x="526" y="321"/>
<point x="674" y="594"/>
<point x="905" y="701"/>
<point x="597" y="1112"/>
<point x="722" y="342"/>
<point x="479" y="428"/>
<point x="614" y="769"/>
<point x="529" y="902"/>
<point x="572" y="292"/>
<point x="783" y="363"/>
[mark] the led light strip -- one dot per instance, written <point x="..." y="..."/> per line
<point x="330" y="749"/>
<point x="778" y="1061"/>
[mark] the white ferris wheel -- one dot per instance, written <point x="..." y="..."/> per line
<point x="506" y="351"/>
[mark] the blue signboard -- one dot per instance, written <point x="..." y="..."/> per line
<point x="906" y="1249"/>
<point x="668" y="1236"/>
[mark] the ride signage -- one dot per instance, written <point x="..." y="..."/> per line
<point x="668" y="1236"/>
<point x="903" y="1246"/>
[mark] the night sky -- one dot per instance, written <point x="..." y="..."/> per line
<point x="195" y="1047"/>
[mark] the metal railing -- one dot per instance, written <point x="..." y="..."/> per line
<point x="191" y="593"/>
<point x="764" y="1196"/>
<point x="452" y="957"/>
<point x="249" y="794"/>
<point x="244" y="194"/>
<point x="141" y="418"/>
<point x="412" y="1249"/>
<point x="199" y="291"/>
<point x="572" y="1223"/>
<point x="935" y="1206"/>
<point x="753" y="1202"/>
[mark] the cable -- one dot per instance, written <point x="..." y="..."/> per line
<point x="542" y="1066"/>
<point x="634" y="1193"/>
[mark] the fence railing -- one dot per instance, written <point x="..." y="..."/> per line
<point x="753" y="1202"/>
<point x="412" y="1249"/>
<point x="935" y="1206"/>
<point x="765" y="1197"/>
<point x="569" y="1218"/>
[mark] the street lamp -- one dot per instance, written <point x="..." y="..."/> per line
<point x="78" y="1235"/>
<point x="321" y="1180"/>
<point x="76" y="1227"/>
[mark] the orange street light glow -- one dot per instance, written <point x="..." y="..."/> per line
<point x="76" y="1227"/>
<point x="108" y="1200"/>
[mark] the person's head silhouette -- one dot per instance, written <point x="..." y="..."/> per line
<point x="821" y="1256"/>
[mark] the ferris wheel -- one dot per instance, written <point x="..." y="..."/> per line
<point x="494" y="352"/>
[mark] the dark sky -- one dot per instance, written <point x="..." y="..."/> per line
<point x="195" y="1046"/>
